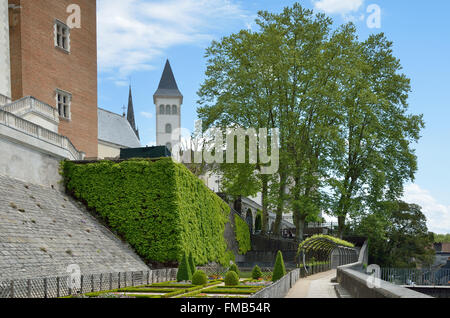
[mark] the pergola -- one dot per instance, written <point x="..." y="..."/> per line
<point x="318" y="249"/>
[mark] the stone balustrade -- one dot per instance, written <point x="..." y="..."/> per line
<point x="29" y="128"/>
<point x="31" y="104"/>
<point x="4" y="100"/>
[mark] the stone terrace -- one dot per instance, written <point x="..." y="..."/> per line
<point x="42" y="231"/>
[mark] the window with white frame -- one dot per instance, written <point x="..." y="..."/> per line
<point x="63" y="100"/>
<point x="62" y="36"/>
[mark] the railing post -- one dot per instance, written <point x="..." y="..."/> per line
<point x="101" y="282"/>
<point x="92" y="283"/>
<point x="57" y="288"/>
<point x="110" y="281"/>
<point x="119" y="280"/>
<point x="45" y="288"/>
<point x="29" y="288"/>
<point x="11" y="292"/>
<point x="132" y="279"/>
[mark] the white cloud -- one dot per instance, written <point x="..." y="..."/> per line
<point x="342" y="7"/>
<point x="438" y="215"/>
<point x="147" y="115"/>
<point x="132" y="33"/>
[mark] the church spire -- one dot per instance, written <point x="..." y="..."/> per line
<point x="130" y="114"/>
<point x="168" y="85"/>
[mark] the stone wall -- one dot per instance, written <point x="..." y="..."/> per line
<point x="43" y="231"/>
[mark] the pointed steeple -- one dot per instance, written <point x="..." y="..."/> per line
<point x="130" y="114"/>
<point x="168" y="86"/>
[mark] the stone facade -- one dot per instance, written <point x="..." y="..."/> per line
<point x="42" y="231"/>
<point x="5" y="72"/>
<point x="39" y="68"/>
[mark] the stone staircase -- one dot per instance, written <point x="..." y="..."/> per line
<point x="43" y="231"/>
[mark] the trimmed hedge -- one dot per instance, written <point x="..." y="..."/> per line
<point x="231" y="279"/>
<point x="242" y="235"/>
<point x="199" y="278"/>
<point x="192" y="264"/>
<point x="256" y="272"/>
<point x="184" y="270"/>
<point x="235" y="269"/>
<point x="279" y="270"/>
<point x="159" y="207"/>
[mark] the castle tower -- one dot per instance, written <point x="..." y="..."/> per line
<point x="168" y="100"/>
<point x="130" y="114"/>
<point x="54" y="59"/>
<point x="5" y="64"/>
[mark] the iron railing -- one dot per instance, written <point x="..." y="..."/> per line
<point x="420" y="277"/>
<point x="55" y="287"/>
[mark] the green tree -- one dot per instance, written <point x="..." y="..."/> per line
<point x="398" y="235"/>
<point x="374" y="156"/>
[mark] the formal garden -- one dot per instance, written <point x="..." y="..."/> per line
<point x="209" y="282"/>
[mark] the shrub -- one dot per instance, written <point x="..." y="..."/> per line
<point x="184" y="272"/>
<point x="199" y="278"/>
<point x="242" y="232"/>
<point x="159" y="207"/>
<point x="192" y="263"/>
<point x="256" y="272"/>
<point x="279" y="270"/>
<point x="235" y="269"/>
<point x="231" y="279"/>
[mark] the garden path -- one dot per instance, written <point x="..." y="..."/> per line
<point x="315" y="286"/>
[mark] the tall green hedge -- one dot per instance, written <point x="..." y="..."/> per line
<point x="242" y="235"/>
<point x="159" y="207"/>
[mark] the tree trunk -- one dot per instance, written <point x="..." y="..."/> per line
<point x="280" y="205"/>
<point x="341" y="226"/>
<point x="265" y="212"/>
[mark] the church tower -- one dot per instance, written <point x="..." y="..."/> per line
<point x="168" y="100"/>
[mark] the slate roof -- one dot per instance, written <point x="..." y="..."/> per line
<point x="168" y="85"/>
<point x="116" y="129"/>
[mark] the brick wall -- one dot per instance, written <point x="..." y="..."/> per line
<point x="38" y="68"/>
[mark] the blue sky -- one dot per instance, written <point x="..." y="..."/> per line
<point x="135" y="37"/>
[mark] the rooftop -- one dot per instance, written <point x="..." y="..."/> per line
<point x="116" y="129"/>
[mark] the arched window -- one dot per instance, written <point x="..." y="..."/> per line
<point x="174" y="110"/>
<point x="168" y="111"/>
<point x="161" y="110"/>
<point x="168" y="129"/>
<point x="169" y="146"/>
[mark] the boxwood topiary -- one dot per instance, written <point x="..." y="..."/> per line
<point x="231" y="279"/>
<point x="279" y="270"/>
<point x="199" y="278"/>
<point x="235" y="269"/>
<point x="256" y="272"/>
<point x="184" y="271"/>
<point x="192" y="263"/>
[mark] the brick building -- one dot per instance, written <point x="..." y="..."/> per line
<point x="55" y="60"/>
